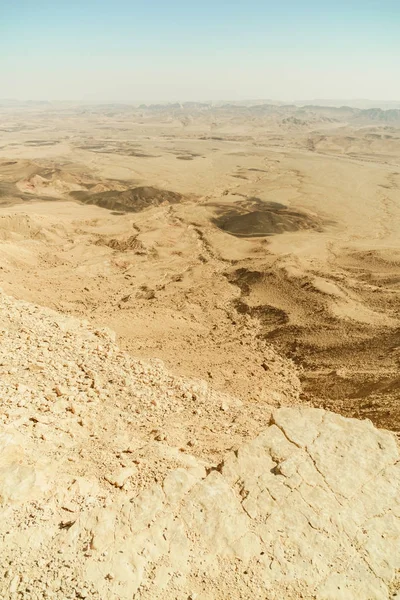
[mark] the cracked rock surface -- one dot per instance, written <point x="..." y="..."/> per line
<point x="119" y="481"/>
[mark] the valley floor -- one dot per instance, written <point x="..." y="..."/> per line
<point x="205" y="243"/>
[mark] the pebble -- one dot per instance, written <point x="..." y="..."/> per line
<point x="120" y="477"/>
<point x="14" y="584"/>
<point x="22" y="388"/>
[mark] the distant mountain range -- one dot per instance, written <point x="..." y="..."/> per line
<point x="296" y="114"/>
<point x="289" y="114"/>
<point x="358" y="103"/>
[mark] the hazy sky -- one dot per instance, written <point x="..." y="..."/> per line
<point x="123" y="50"/>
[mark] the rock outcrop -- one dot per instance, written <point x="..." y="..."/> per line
<point x="119" y="481"/>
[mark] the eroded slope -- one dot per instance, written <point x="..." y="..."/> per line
<point x="121" y="481"/>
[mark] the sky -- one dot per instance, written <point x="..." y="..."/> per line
<point x="168" y="50"/>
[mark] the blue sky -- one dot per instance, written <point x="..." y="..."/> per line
<point x="168" y="50"/>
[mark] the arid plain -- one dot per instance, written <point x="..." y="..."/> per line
<point x="203" y="234"/>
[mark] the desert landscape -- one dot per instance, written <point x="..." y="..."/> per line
<point x="187" y="229"/>
<point x="238" y="437"/>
